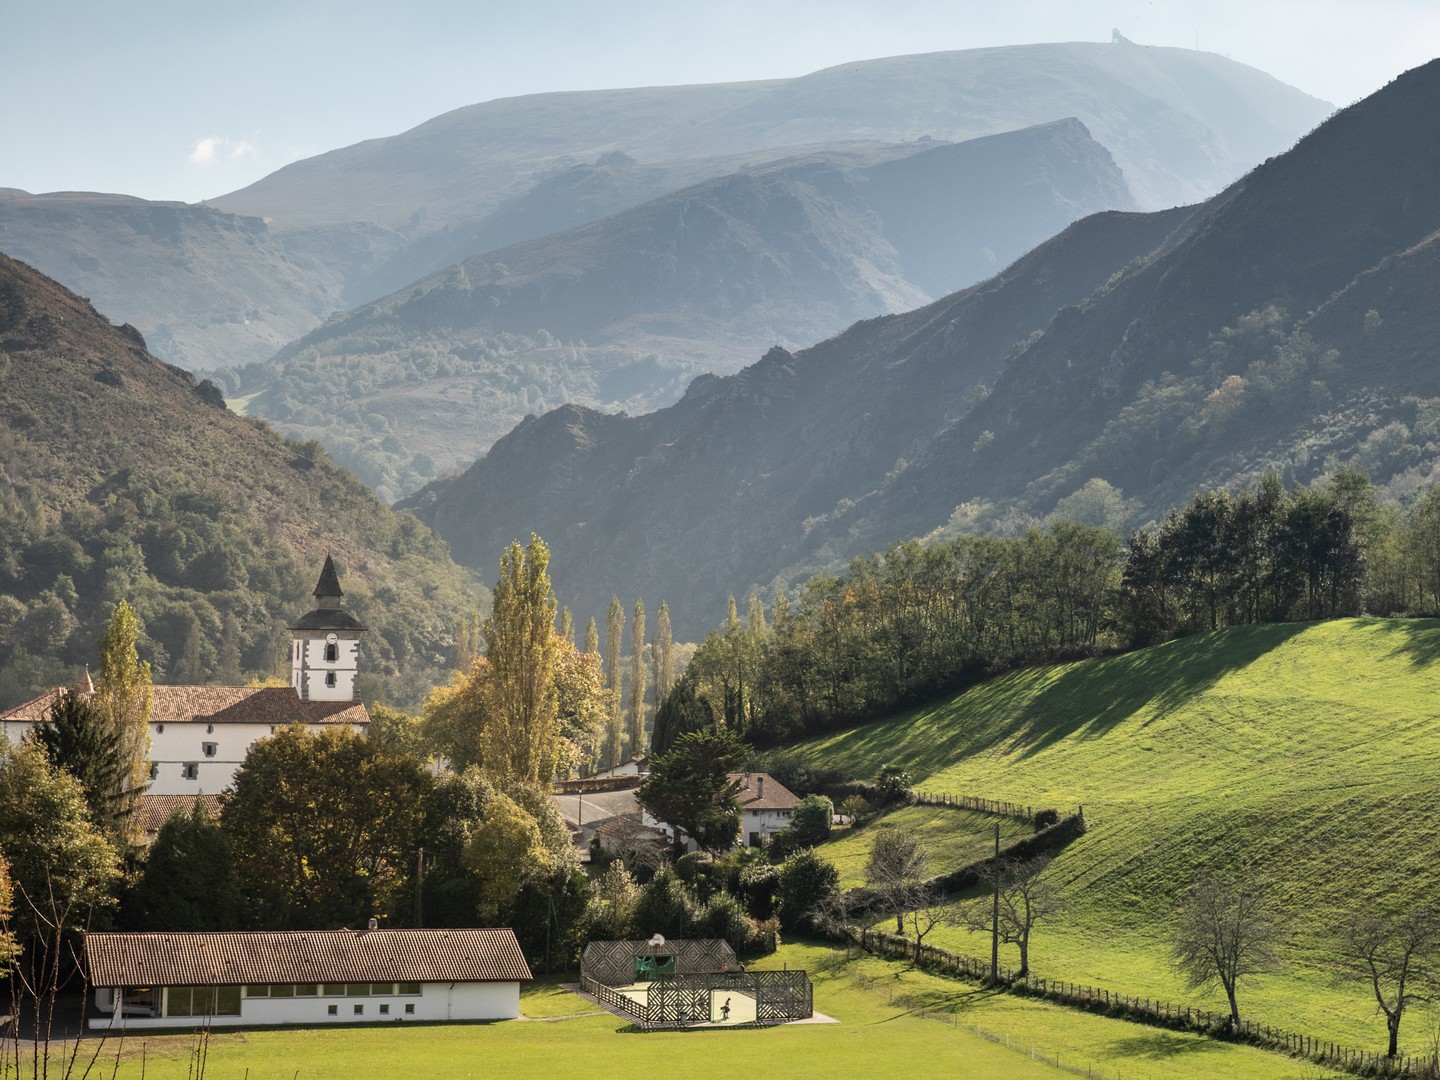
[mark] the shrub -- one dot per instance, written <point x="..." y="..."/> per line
<point x="807" y="884"/>
<point x="810" y="824"/>
<point x="759" y="884"/>
<point x="892" y="784"/>
<point x="1045" y="818"/>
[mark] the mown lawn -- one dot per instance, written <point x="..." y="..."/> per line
<point x="893" y="1022"/>
<point x="1306" y="756"/>
<point x="951" y="838"/>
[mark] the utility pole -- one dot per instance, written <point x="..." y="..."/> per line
<point x="995" y="913"/>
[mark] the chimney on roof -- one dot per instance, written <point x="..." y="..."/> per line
<point x="760" y="787"/>
<point x="374" y="924"/>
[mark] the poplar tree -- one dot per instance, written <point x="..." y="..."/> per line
<point x="592" y="638"/>
<point x="614" y="627"/>
<point x="123" y="698"/>
<point x="519" y="740"/>
<point x="662" y="658"/>
<point x="567" y="626"/>
<point x="637" y="681"/>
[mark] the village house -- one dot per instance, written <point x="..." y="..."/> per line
<point x="199" y="735"/>
<point x="766" y="807"/>
<point x="310" y="977"/>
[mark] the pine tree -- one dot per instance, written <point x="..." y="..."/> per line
<point x="519" y="741"/>
<point x="77" y="739"/>
<point x="614" y="627"/>
<point x="636" y="713"/>
<point x="123" y="696"/>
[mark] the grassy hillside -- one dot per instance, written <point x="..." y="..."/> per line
<point x="951" y="838"/>
<point x="1309" y="754"/>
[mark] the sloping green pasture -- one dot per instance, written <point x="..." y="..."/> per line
<point x="1305" y="754"/>
<point x="894" y="1022"/>
<point x="951" y="838"/>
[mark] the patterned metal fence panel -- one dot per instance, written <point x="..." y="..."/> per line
<point x="674" y="1003"/>
<point x="688" y="998"/>
<point x="613" y="962"/>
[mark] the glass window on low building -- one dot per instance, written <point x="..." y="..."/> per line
<point x="306" y="989"/>
<point x="410" y="1008"/>
<point x="202" y="1001"/>
<point x="382" y="989"/>
<point x="333" y="990"/>
<point x="385" y="1009"/>
<point x="357" y="989"/>
<point x="359" y="1010"/>
<point x="333" y="1010"/>
<point x="409" y="988"/>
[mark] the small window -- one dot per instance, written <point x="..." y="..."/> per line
<point x="210" y="748"/>
<point x="209" y="729"/>
<point x="159" y="729"/>
<point x="330" y="678"/>
<point x="332" y="653"/>
<point x="190" y="770"/>
<point x="410" y="1008"/>
<point x="334" y="1010"/>
<point x="385" y="1009"/>
<point x="359" y="1010"/>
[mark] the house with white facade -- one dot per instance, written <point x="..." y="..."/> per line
<point x="199" y="735"/>
<point x="303" y="977"/>
<point x="766" y="807"/>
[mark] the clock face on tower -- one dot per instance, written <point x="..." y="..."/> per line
<point x="331" y="638"/>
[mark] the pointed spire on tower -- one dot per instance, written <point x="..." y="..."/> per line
<point x="86" y="686"/>
<point x="328" y="587"/>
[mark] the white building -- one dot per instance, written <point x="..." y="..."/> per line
<point x="199" y="735"/>
<point x="766" y="807"/>
<point x="303" y="977"/>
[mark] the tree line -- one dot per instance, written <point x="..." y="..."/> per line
<point x="920" y="619"/>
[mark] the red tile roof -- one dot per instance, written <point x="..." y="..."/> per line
<point x="777" y="795"/>
<point x="156" y="810"/>
<point x="274" y="705"/>
<point x="305" y="956"/>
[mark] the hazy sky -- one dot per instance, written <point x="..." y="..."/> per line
<point x="186" y="99"/>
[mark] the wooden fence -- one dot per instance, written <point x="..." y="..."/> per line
<point x="1153" y="1011"/>
<point x="997" y="807"/>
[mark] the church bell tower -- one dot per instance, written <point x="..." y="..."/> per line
<point x="325" y="645"/>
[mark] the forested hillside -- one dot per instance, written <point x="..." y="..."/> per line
<point x="120" y="478"/>
<point x="1281" y="326"/>
<point x="626" y="311"/>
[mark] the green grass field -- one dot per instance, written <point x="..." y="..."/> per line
<point x="952" y="838"/>
<point x="1306" y="754"/>
<point x="893" y="1022"/>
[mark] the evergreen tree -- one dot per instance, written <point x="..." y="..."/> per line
<point x="189" y="881"/>
<point x="519" y="741"/>
<point x="682" y="710"/>
<point x="123" y="695"/>
<point x="636" y="712"/>
<point x="614" y="627"/>
<point x="77" y="739"/>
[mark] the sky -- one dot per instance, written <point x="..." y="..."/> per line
<point x="189" y="99"/>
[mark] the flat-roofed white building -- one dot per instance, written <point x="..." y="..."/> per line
<point x="303" y="977"/>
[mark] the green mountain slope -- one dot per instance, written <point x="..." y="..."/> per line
<point x="121" y="479"/>
<point x="1307" y="753"/>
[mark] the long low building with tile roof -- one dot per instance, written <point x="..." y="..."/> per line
<point x="303" y="977"/>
